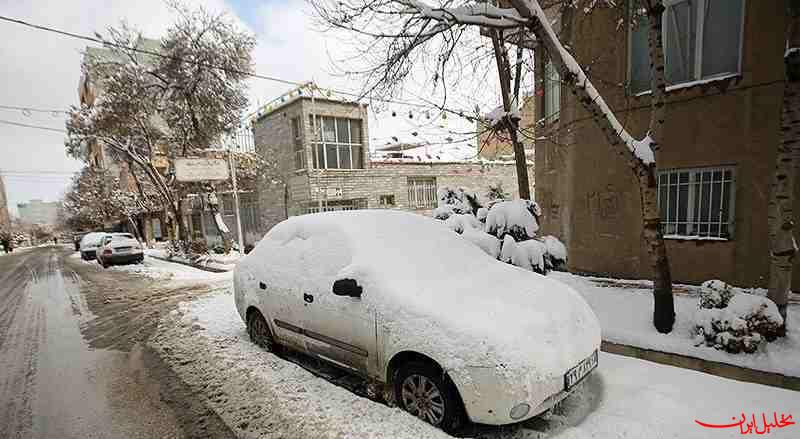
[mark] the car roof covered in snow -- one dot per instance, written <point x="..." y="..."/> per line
<point x="413" y="268"/>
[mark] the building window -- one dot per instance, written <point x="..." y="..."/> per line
<point x="299" y="149"/>
<point x="702" y="40"/>
<point x="552" y="92"/>
<point x="338" y="143"/>
<point x="386" y="200"/>
<point x="422" y="192"/>
<point x="697" y="202"/>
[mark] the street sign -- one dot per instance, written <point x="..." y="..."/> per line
<point x="198" y="169"/>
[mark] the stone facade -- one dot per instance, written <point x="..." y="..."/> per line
<point x="378" y="184"/>
<point x="590" y="196"/>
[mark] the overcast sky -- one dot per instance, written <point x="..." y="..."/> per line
<point x="41" y="71"/>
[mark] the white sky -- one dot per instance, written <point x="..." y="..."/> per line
<point x="41" y="70"/>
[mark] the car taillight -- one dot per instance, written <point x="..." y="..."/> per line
<point x="107" y="251"/>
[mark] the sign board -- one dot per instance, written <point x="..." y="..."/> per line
<point x="201" y="169"/>
<point x="333" y="193"/>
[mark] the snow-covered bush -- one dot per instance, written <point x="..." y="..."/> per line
<point x="458" y="200"/>
<point x="517" y="218"/>
<point x="443" y="212"/>
<point x="460" y="222"/>
<point x="740" y="325"/>
<point x="485" y="241"/>
<point x="496" y="194"/>
<point x="715" y="294"/>
<point x="556" y="256"/>
<point x="529" y="255"/>
<point x="481" y="214"/>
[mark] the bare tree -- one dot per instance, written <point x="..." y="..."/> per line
<point x="156" y="104"/>
<point x="781" y="214"/>
<point x="398" y="35"/>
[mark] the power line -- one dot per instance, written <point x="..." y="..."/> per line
<point x="38" y="127"/>
<point x="225" y="69"/>
<point x="31" y="109"/>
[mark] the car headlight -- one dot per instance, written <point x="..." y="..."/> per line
<point x="520" y="410"/>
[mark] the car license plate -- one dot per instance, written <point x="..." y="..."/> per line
<point x="577" y="373"/>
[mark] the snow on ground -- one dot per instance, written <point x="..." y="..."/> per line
<point x="261" y="395"/>
<point x="177" y="273"/>
<point x="220" y="262"/>
<point x="625" y="315"/>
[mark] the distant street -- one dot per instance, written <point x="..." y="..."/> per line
<point x="62" y="377"/>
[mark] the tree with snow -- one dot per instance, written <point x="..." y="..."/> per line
<point x="402" y="33"/>
<point x="175" y="100"/>
<point x="783" y="247"/>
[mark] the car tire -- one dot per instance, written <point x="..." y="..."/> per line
<point x="258" y="330"/>
<point x="419" y="382"/>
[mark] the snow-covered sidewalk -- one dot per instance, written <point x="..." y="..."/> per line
<point x="625" y="310"/>
<point x="214" y="262"/>
<point x="261" y="395"/>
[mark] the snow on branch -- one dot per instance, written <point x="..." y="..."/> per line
<point x="482" y="14"/>
<point x="640" y="148"/>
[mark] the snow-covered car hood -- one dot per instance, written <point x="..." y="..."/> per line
<point x="434" y="291"/>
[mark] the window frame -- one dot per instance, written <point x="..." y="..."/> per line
<point x="698" y="56"/>
<point x="319" y="140"/>
<point x="692" y="217"/>
<point x="417" y="189"/>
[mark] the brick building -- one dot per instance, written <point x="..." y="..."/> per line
<point x="323" y="154"/>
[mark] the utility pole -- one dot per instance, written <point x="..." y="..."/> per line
<point x="236" y="200"/>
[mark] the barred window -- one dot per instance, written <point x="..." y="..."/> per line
<point x="697" y="202"/>
<point x="338" y="144"/>
<point x="422" y="192"/>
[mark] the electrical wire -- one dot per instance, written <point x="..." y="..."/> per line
<point x="38" y="127"/>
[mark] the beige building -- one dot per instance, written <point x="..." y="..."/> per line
<point x="716" y="158"/>
<point x="323" y="154"/>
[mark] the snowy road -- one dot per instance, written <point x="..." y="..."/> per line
<point x="53" y="382"/>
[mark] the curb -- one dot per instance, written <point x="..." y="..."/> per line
<point x="199" y="267"/>
<point x="707" y="366"/>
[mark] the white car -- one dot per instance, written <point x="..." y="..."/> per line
<point x="119" y="248"/>
<point x="405" y="302"/>
<point x="89" y="244"/>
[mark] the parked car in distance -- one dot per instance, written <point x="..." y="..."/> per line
<point x="76" y="239"/>
<point x="89" y="244"/>
<point x="407" y="303"/>
<point x="119" y="248"/>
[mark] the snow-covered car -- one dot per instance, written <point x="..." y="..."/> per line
<point x="119" y="248"/>
<point x="90" y="243"/>
<point x="405" y="302"/>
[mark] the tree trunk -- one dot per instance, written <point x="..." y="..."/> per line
<point x="621" y="140"/>
<point x="511" y="123"/>
<point x="780" y="212"/>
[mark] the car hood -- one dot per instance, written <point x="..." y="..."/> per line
<point x="499" y="316"/>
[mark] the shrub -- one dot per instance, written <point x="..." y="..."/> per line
<point x="741" y="325"/>
<point x="517" y="218"/>
<point x="459" y="222"/>
<point x="556" y="256"/>
<point x="715" y="294"/>
<point x="198" y="247"/>
<point x="485" y="241"/>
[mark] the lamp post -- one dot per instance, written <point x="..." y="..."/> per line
<point x="236" y="200"/>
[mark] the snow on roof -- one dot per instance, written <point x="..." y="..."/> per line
<point x="435" y="292"/>
<point x="456" y="152"/>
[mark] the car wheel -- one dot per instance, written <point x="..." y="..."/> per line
<point x="259" y="332"/>
<point x="425" y="392"/>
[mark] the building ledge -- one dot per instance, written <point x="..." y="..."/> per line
<point x="721" y="80"/>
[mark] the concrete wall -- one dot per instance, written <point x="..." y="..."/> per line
<point x="590" y="196"/>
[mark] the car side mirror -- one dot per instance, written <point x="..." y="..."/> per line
<point x="347" y="287"/>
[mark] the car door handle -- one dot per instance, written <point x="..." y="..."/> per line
<point x="308" y="298"/>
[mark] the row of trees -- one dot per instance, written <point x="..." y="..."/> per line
<point x="148" y="103"/>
